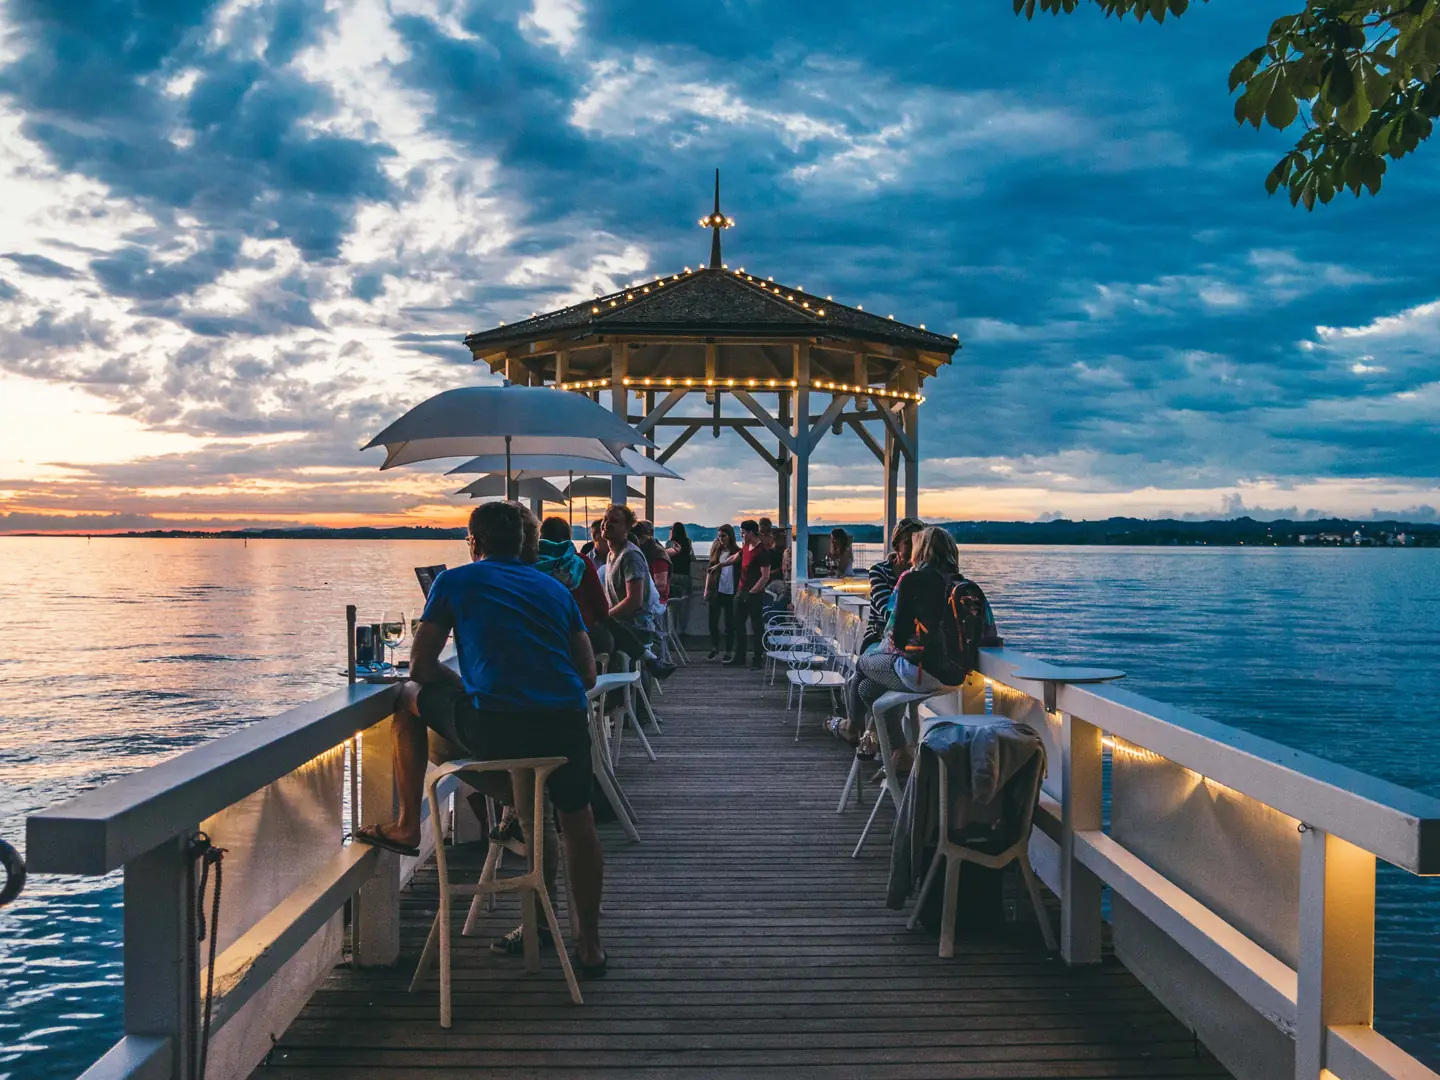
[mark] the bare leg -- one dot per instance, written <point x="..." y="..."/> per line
<point x="585" y="873"/>
<point x="410" y="754"/>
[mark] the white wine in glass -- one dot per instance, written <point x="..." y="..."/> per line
<point x="392" y="632"/>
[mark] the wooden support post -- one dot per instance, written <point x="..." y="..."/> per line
<point x="650" y="453"/>
<point x="861" y="378"/>
<point x="910" y="383"/>
<point x="562" y="366"/>
<point x="1336" y="973"/>
<point x="891" y="465"/>
<point x="800" y="550"/>
<point x="619" y="406"/>
<point x="379" y="900"/>
<point x="1080" y="792"/>
<point x="161" y="994"/>
<point x="782" y="471"/>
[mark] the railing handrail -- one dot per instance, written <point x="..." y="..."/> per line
<point x="101" y="830"/>
<point x="1396" y="823"/>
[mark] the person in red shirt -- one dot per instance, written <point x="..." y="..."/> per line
<point x="755" y="571"/>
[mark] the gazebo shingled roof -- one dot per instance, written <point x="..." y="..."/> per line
<point x="719" y="331"/>
<point x="711" y="302"/>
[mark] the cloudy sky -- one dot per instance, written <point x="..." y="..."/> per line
<point x="237" y="238"/>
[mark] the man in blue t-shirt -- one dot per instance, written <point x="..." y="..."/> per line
<point x="525" y="664"/>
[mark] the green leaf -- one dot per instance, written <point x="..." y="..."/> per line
<point x="1282" y="108"/>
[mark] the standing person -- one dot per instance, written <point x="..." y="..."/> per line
<point x="524" y="665"/>
<point x="720" y="587"/>
<point x="883" y="576"/>
<point x="682" y="554"/>
<point x="750" y="593"/>
<point x="777" y="589"/>
<point x="842" y="553"/>
<point x="630" y="591"/>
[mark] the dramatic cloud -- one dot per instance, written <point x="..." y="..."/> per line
<point x="238" y="236"/>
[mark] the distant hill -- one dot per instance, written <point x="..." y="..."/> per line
<point x="1242" y="531"/>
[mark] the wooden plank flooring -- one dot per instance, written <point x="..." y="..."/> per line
<point x="744" y="943"/>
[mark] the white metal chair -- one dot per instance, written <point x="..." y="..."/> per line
<point x="826" y="674"/>
<point x="671" y="627"/>
<point x="602" y="765"/>
<point x="527" y="782"/>
<point x="893" y="786"/>
<point x="953" y="854"/>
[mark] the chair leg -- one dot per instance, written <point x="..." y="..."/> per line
<point x="925" y="888"/>
<point x="850" y="785"/>
<point x="443" y="916"/>
<point x="799" y="712"/>
<point x="487" y="875"/>
<point x="947" y="914"/>
<point x="530" y="930"/>
<point x="874" y="811"/>
<point x="554" y="924"/>
<point x="618" y="803"/>
<point x="1033" y="888"/>
<point x="427" y="955"/>
<point x="649" y="708"/>
<point x="640" y="734"/>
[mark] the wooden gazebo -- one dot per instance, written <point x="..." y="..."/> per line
<point x="715" y="331"/>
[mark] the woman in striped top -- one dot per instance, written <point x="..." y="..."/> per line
<point x="883" y="576"/>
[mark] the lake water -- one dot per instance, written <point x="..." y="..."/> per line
<point x="118" y="654"/>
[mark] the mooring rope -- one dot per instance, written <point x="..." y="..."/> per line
<point x="209" y="855"/>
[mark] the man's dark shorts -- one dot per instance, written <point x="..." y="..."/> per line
<point x="489" y="736"/>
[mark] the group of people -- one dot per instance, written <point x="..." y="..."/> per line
<point x="745" y="579"/>
<point x="530" y="613"/>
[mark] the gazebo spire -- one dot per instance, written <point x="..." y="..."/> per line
<point x="716" y="221"/>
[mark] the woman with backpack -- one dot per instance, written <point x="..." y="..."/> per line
<point x="937" y="622"/>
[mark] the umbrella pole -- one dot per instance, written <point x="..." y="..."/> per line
<point x="570" y="504"/>
<point x="509" y="491"/>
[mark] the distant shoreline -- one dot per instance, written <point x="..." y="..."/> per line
<point x="1110" y="532"/>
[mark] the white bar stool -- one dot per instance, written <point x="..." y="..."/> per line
<point x="527" y="784"/>
<point x="891" y="699"/>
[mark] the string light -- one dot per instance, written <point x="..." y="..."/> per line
<point x="670" y="382"/>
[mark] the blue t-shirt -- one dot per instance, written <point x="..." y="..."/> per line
<point x="512" y="628"/>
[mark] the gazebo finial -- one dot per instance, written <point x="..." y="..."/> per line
<point x="716" y="221"/>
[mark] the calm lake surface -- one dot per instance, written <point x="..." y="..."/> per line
<point x="121" y="653"/>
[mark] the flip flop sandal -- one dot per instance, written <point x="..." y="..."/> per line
<point x="370" y="834"/>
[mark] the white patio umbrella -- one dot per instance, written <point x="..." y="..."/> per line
<point x="594" y="487"/>
<point x="525" y="488"/>
<point x="631" y="464"/>
<point x="508" y="421"/>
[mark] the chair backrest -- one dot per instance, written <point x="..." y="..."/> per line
<point x="1032" y="774"/>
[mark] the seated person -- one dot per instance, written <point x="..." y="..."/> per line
<point x="631" y="592"/>
<point x="657" y="558"/>
<point x="841" y="556"/>
<point x="915" y="655"/>
<point x="883" y="576"/>
<point x="559" y="559"/>
<point x="524" y="666"/>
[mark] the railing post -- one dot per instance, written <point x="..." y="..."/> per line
<point x="378" y="905"/>
<point x="1336" y="975"/>
<point x="161" y="993"/>
<point x="1081" y="782"/>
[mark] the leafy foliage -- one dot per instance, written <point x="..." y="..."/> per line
<point x="1358" y="75"/>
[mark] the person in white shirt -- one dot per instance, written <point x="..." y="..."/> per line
<point x="720" y="588"/>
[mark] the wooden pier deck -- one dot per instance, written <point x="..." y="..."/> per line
<point x="744" y="943"/>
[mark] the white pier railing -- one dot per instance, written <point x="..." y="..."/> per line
<point x="272" y="796"/>
<point x="1242" y="872"/>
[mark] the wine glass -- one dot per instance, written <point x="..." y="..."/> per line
<point x="392" y="632"/>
